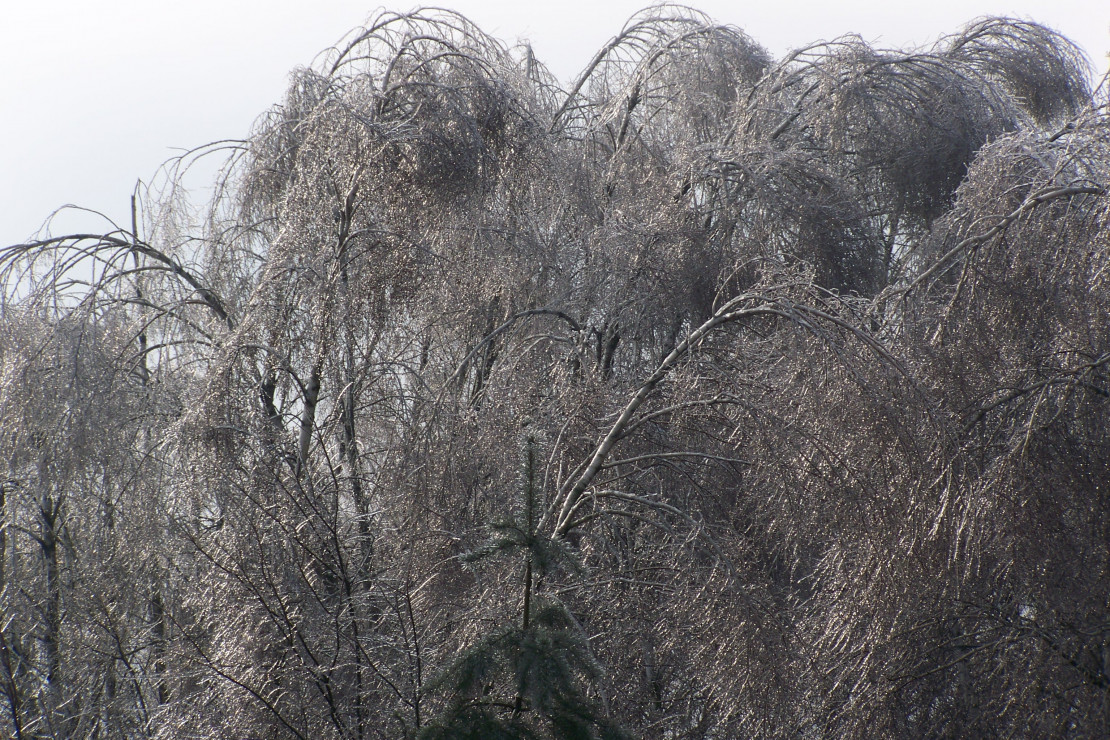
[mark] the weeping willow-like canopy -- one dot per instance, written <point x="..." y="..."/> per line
<point x="705" y="396"/>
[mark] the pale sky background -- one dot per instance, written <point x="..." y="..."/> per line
<point x="95" y="94"/>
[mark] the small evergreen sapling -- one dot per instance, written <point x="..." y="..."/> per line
<point x="526" y="679"/>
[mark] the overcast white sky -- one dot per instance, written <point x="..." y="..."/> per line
<point x="96" y="94"/>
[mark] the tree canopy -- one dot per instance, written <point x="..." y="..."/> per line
<point x="707" y="396"/>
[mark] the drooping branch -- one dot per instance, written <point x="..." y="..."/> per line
<point x="729" y="312"/>
<point x="10" y="255"/>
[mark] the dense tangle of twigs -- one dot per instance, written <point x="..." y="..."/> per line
<point x="703" y="396"/>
